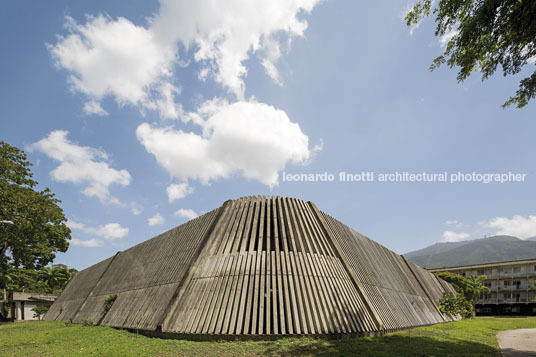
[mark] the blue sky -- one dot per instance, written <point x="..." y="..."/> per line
<point x="143" y="114"/>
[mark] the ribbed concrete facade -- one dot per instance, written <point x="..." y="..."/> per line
<point x="256" y="266"/>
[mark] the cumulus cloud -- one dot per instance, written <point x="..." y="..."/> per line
<point x="111" y="231"/>
<point x="250" y="138"/>
<point x="113" y="57"/>
<point x="156" y="220"/>
<point x="108" y="231"/>
<point x="186" y="213"/>
<point x="450" y="236"/>
<point x="82" y="165"/>
<point x="224" y="33"/>
<point x="134" y="64"/>
<point x="177" y="191"/>
<point x="517" y="226"/>
<point x="137" y="64"/>
<point x="88" y="243"/>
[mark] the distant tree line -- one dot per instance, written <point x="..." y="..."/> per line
<point x="47" y="280"/>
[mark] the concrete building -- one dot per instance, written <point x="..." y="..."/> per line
<point x="22" y="304"/>
<point x="256" y="266"/>
<point x="511" y="284"/>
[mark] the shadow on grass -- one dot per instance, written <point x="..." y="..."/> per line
<point x="380" y="346"/>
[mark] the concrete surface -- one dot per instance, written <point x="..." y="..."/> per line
<point x="518" y="343"/>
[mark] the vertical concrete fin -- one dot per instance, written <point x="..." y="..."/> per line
<point x="347" y="268"/>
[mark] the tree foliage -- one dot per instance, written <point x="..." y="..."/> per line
<point x="468" y="289"/>
<point x="40" y="311"/>
<point x="108" y="302"/>
<point x="48" y="280"/>
<point x="455" y="304"/>
<point x="486" y="34"/>
<point x="32" y="225"/>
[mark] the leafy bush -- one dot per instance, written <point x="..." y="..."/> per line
<point x="468" y="289"/>
<point x="87" y="322"/>
<point x="453" y="305"/>
<point x="108" y="302"/>
<point x="40" y="311"/>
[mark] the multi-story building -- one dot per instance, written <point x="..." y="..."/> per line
<point x="512" y="286"/>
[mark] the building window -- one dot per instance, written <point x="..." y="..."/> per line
<point x="507" y="283"/>
<point x="480" y="272"/>
<point x="516" y="270"/>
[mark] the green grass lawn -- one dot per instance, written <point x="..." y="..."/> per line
<point x="476" y="337"/>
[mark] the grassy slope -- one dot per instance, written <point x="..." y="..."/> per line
<point x="475" y="337"/>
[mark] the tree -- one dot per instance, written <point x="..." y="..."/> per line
<point x="453" y="305"/>
<point x="56" y="278"/>
<point x="32" y="225"/>
<point x="476" y="287"/>
<point x="40" y="311"/>
<point x="485" y="34"/>
<point x="470" y="288"/>
<point x="48" y="280"/>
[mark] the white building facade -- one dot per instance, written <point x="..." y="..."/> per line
<point x="512" y="286"/>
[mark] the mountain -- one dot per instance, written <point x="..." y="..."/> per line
<point x="478" y="251"/>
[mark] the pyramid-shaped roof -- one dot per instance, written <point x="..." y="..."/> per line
<point x="256" y="266"/>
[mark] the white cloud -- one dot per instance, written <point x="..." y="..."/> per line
<point x="75" y="225"/>
<point x="186" y="213"/>
<point x="454" y="223"/>
<point x="108" y="231"/>
<point x="177" y="191"/>
<point x="444" y="40"/>
<point x="225" y="32"/>
<point x="250" y="138"/>
<point x="82" y="164"/>
<point x="111" y="231"/>
<point x="114" y="57"/>
<point x="94" y="107"/>
<point x="135" y="208"/>
<point x="89" y="243"/>
<point x="451" y="222"/>
<point x="449" y="236"/>
<point x="517" y="226"/>
<point x="134" y="64"/>
<point x="156" y="220"/>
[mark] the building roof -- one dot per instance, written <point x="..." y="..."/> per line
<point x="486" y="265"/>
<point x="256" y="266"/>
<point x="20" y="296"/>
